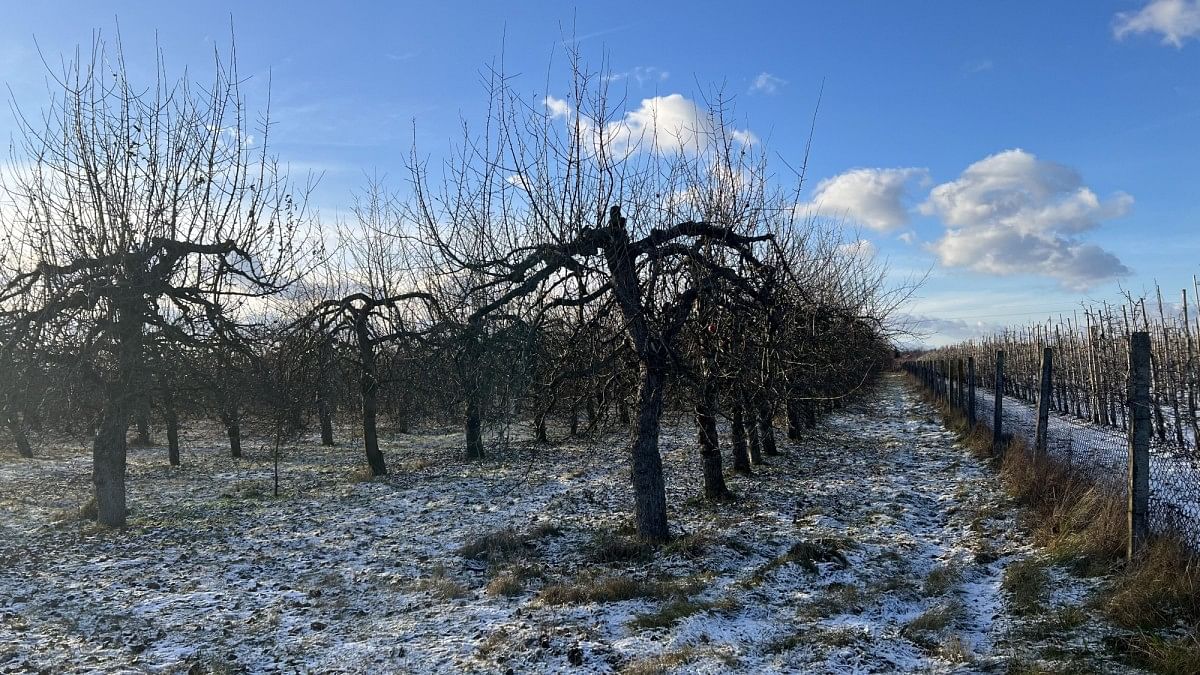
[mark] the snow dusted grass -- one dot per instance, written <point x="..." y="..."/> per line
<point x="875" y="544"/>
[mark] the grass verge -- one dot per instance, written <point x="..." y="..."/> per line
<point x="1082" y="525"/>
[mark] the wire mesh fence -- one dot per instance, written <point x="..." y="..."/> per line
<point x="1087" y="433"/>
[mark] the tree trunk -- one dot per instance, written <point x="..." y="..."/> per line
<point x="749" y="421"/>
<point x="741" y="453"/>
<point x="233" y="429"/>
<point x="143" y="426"/>
<point x="474" y="427"/>
<point x="110" y="447"/>
<point x="172" y="420"/>
<point x="710" y="450"/>
<point x="766" y="429"/>
<point x="649" y="488"/>
<point x="369" y="388"/>
<point x="795" y="418"/>
<point x="326" y="423"/>
<point x="17" y="429"/>
<point x="810" y="414"/>
<point x="539" y="428"/>
<point x="32" y="418"/>
<point x="108" y="463"/>
<point x="325" y="394"/>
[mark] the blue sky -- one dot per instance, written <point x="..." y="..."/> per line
<point x="1029" y="154"/>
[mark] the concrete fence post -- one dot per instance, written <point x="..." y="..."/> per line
<point x="1045" y="391"/>
<point x="998" y="406"/>
<point x="1139" y="442"/>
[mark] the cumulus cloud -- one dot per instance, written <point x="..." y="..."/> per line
<point x="668" y="123"/>
<point x="876" y="198"/>
<point x="1012" y="213"/>
<point x="1175" y="20"/>
<point x="766" y="83"/>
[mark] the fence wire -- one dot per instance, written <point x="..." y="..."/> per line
<point x="1090" y="436"/>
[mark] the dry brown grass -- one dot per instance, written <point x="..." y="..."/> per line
<point x="499" y="546"/>
<point x="806" y="554"/>
<point x="665" y="662"/>
<point x="610" y="547"/>
<point x="1159" y="589"/>
<point x="936" y="618"/>
<point x="673" y="612"/>
<point x="440" y="585"/>
<point x="1083" y="525"/>
<point x="616" y="589"/>
<point x="1027" y="584"/>
<point x="1175" y="655"/>
<point x="941" y="580"/>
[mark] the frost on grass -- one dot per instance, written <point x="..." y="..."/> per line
<point x="875" y="544"/>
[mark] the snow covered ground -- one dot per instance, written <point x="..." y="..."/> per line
<point x="874" y="545"/>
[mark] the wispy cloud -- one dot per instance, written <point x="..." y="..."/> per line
<point x="576" y="39"/>
<point x="980" y="66"/>
<point x="1176" y="20"/>
<point x="766" y="83"/>
<point x="640" y="74"/>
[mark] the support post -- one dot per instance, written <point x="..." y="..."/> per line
<point x="998" y="406"/>
<point x="971" y="393"/>
<point x="955" y="390"/>
<point x="1139" y="442"/>
<point x="1044" y="393"/>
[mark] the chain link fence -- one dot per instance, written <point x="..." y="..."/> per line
<point x="1087" y="434"/>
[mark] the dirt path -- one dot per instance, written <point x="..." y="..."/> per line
<point x="873" y="545"/>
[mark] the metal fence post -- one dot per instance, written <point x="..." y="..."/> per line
<point x="1139" y="441"/>
<point x="971" y="393"/>
<point x="1044" y="394"/>
<point x="998" y="406"/>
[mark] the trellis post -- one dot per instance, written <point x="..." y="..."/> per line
<point x="1139" y="442"/>
<point x="971" y="392"/>
<point x="1044" y="394"/>
<point x="998" y="406"/>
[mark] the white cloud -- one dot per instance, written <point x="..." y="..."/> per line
<point x="1011" y="213"/>
<point x="859" y="248"/>
<point x="1175" y="20"/>
<point x="875" y="198"/>
<point x="907" y="237"/>
<point x="667" y="123"/>
<point x="766" y="83"/>
<point x="640" y="74"/>
<point x="557" y="107"/>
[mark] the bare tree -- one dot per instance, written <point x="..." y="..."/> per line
<point x="146" y="208"/>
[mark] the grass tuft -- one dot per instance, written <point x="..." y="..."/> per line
<point x="617" y="589"/>
<point x="1027" y="584"/>
<point x="674" y="612"/>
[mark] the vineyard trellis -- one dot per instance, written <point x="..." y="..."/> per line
<point x="1088" y="418"/>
